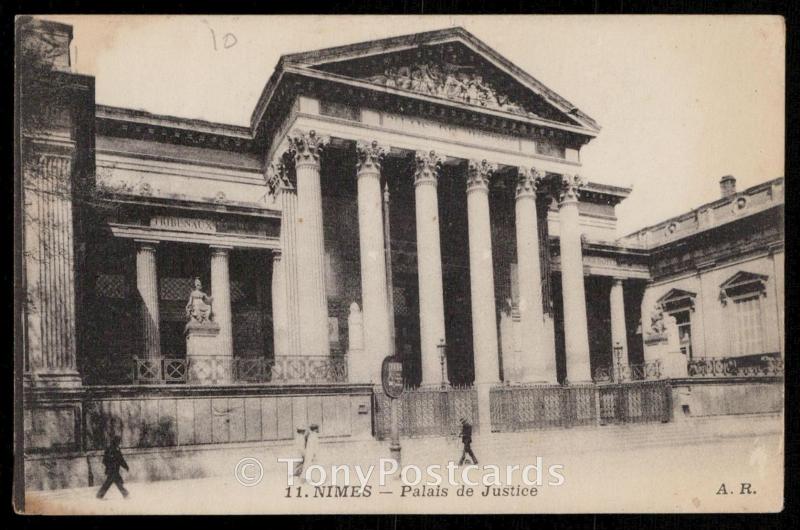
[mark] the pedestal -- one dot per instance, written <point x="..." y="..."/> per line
<point x="205" y="365"/>
<point x="358" y="368"/>
<point x="672" y="361"/>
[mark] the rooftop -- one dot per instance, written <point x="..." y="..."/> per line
<point x="731" y="206"/>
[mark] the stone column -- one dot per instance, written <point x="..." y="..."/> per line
<point x="619" y="335"/>
<point x="481" y="275"/>
<point x="279" y="313"/>
<point x="221" y="293"/>
<point x="281" y="183"/>
<point x="537" y="360"/>
<point x="576" y="334"/>
<point x="307" y="148"/>
<point x="147" y="285"/>
<point x="374" y="295"/>
<point x="49" y="265"/>
<point x="429" y="266"/>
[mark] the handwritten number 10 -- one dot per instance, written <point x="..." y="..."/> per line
<point x="229" y="40"/>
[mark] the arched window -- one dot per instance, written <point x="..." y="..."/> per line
<point x="742" y="295"/>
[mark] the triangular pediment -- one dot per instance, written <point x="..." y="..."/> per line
<point x="676" y="299"/>
<point x="450" y="65"/>
<point x="743" y="278"/>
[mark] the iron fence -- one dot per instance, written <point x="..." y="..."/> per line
<point x="762" y="366"/>
<point x="628" y="372"/>
<point x="524" y="407"/>
<point x="527" y="407"/>
<point x="160" y="370"/>
<point x="427" y="411"/>
<point x="640" y="402"/>
<point x="286" y="370"/>
<point x="309" y="369"/>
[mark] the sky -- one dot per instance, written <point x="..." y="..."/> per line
<point x="682" y="100"/>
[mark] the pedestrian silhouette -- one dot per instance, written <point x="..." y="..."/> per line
<point x="299" y="451"/>
<point x="466" y="439"/>
<point x="312" y="445"/>
<point x="113" y="460"/>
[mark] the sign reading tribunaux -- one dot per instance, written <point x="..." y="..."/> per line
<point x="183" y="223"/>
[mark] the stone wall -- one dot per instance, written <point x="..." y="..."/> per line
<point x="734" y="396"/>
<point x="178" y="432"/>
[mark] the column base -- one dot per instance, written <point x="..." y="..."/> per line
<point x="358" y="369"/>
<point x="484" y="407"/>
<point x="66" y="379"/>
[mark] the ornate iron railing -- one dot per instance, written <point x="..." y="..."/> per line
<point x="159" y="370"/>
<point x="302" y="369"/>
<point x="218" y="369"/>
<point x="635" y="402"/>
<point x="628" y="372"/>
<point x="764" y="366"/>
<point x="527" y="407"/>
<point x="428" y="411"/>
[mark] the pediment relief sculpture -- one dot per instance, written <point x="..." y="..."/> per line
<point x="450" y="81"/>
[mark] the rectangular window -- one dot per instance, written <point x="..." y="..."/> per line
<point x="684" y="321"/>
<point x="748" y="333"/>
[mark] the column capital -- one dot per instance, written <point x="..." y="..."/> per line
<point x="528" y="182"/>
<point x="277" y="254"/>
<point x="220" y="250"/>
<point x="617" y="280"/>
<point x="570" y="188"/>
<point x="146" y="244"/>
<point x="479" y="173"/>
<point x="428" y="167"/>
<point x="370" y="156"/>
<point x="307" y="147"/>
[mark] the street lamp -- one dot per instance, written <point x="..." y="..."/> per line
<point x="618" y="358"/>
<point x="442" y="352"/>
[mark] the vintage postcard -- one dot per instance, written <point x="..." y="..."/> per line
<point x="399" y="264"/>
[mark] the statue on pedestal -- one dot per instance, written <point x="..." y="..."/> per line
<point x="658" y="326"/>
<point x="198" y="308"/>
<point x="661" y="344"/>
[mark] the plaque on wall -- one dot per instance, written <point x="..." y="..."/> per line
<point x="184" y="224"/>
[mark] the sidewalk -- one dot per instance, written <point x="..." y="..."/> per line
<point x="650" y="467"/>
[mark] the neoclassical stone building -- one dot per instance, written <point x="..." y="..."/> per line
<point x="503" y="269"/>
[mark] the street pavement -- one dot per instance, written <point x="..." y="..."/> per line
<point x="732" y="463"/>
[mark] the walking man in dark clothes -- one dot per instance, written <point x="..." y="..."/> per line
<point x="466" y="439"/>
<point x="113" y="460"/>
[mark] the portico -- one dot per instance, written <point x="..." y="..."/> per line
<point x="479" y="179"/>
